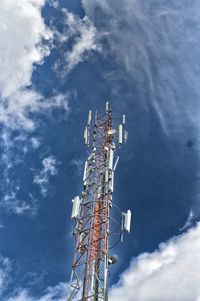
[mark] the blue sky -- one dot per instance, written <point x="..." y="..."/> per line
<point x="59" y="59"/>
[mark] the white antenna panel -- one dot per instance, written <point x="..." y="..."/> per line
<point x="120" y="134"/>
<point x="111" y="184"/>
<point x="127" y="221"/>
<point x="124" y="119"/>
<point x="110" y="161"/>
<point x="106" y="176"/>
<point x="76" y="207"/>
<point x="85" y="171"/>
<point x="107" y="106"/>
<point x="89" y="117"/>
<point x="86" y="135"/>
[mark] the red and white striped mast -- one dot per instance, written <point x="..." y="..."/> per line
<point x="94" y="224"/>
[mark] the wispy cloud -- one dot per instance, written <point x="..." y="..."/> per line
<point x="191" y="218"/>
<point x="14" y="149"/>
<point x="56" y="293"/>
<point x="12" y="203"/>
<point x="78" y="163"/>
<point x="51" y="293"/>
<point x="5" y="266"/>
<point x="170" y="273"/>
<point x="83" y="36"/>
<point x="155" y="46"/>
<point x="49" y="169"/>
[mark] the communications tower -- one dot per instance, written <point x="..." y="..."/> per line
<point x="99" y="223"/>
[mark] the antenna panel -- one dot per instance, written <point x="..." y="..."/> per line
<point x="127" y="221"/>
<point x="76" y="207"/>
<point x="120" y="134"/>
<point x="110" y="162"/>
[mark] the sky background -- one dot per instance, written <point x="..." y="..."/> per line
<point x="58" y="59"/>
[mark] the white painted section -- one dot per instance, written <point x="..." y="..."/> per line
<point x="76" y="207"/>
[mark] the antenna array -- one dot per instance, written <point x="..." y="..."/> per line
<point x="96" y="230"/>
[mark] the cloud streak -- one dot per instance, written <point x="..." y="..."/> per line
<point x="49" y="169"/>
<point x="57" y="293"/>
<point x="5" y="266"/>
<point x="155" y="46"/>
<point x="82" y="35"/>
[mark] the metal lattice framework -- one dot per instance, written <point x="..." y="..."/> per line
<point x="94" y="225"/>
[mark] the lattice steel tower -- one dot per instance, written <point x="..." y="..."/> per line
<point x="99" y="224"/>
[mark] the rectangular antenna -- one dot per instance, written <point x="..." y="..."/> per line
<point x="89" y="117"/>
<point x="85" y="171"/>
<point x="86" y="135"/>
<point x="120" y="134"/>
<point x="127" y="221"/>
<point x="110" y="161"/>
<point x="107" y="106"/>
<point x="76" y="206"/>
<point x="111" y="183"/>
<point x="124" y="119"/>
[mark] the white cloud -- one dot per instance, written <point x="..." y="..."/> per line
<point x="35" y="142"/>
<point x="10" y="201"/>
<point x="49" y="169"/>
<point x="85" y="41"/>
<point x="13" y="204"/>
<point x="23" y="33"/>
<point x="21" y="30"/>
<point x="26" y="42"/>
<point x="57" y="293"/>
<point x="170" y="273"/>
<point x="54" y="3"/>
